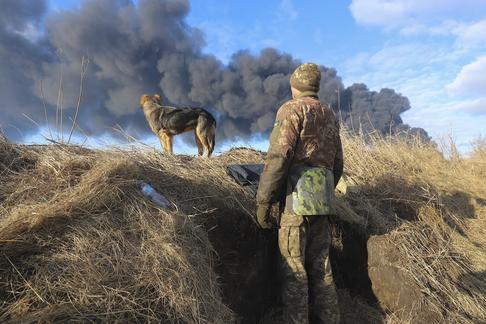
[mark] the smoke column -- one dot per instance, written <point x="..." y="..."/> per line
<point x="149" y="48"/>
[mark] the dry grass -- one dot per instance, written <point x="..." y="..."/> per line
<point x="434" y="211"/>
<point x="79" y="242"/>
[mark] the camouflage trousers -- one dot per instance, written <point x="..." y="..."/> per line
<point x="308" y="291"/>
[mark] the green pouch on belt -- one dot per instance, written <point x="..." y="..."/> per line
<point x="311" y="191"/>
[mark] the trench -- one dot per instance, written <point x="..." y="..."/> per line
<point x="247" y="264"/>
<point x="248" y="259"/>
<point x="349" y="261"/>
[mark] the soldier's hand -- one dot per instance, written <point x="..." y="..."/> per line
<point x="263" y="216"/>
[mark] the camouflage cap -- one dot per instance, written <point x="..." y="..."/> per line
<point x="306" y="77"/>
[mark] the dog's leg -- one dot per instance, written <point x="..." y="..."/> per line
<point x="201" y="133"/>
<point x="164" y="141"/>
<point x="170" y="143"/>
<point x="207" y="147"/>
<point x="198" y="143"/>
<point x="211" y="136"/>
<point x="161" y="137"/>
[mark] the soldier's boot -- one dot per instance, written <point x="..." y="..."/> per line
<point x="291" y="239"/>
<point x="323" y="298"/>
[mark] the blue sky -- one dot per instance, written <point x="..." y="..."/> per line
<point x="433" y="52"/>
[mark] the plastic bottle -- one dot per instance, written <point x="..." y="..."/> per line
<point x="157" y="198"/>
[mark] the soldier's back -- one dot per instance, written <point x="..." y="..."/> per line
<point x="319" y="136"/>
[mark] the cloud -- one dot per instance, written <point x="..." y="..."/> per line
<point x="416" y="16"/>
<point x="473" y="34"/>
<point x="471" y="80"/>
<point x="445" y="28"/>
<point x="414" y="68"/>
<point x="476" y="106"/>
<point x="421" y="71"/>
<point x="286" y="10"/>
<point x="468" y="34"/>
<point x="378" y="12"/>
<point x="440" y="36"/>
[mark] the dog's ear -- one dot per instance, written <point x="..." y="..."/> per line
<point x="158" y="98"/>
<point x="143" y="99"/>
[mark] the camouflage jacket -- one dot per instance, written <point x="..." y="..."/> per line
<point x="306" y="133"/>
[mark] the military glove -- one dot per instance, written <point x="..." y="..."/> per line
<point x="263" y="216"/>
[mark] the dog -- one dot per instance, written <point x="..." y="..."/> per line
<point x="166" y="122"/>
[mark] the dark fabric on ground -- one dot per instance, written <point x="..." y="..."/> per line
<point x="247" y="175"/>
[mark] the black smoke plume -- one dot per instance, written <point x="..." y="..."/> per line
<point x="149" y="48"/>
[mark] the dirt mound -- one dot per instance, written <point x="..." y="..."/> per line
<point x="78" y="241"/>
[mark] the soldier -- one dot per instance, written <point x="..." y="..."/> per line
<point x="303" y="165"/>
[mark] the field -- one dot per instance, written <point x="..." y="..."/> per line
<point x="78" y="240"/>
